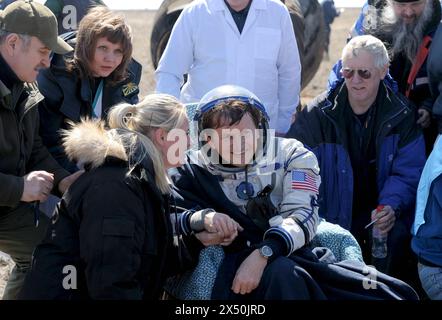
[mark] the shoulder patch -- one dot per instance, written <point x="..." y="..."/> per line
<point x="302" y="180"/>
<point x="129" y="88"/>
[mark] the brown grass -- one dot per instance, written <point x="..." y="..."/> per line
<point x="339" y="33"/>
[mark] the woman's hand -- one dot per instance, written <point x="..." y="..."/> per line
<point x="209" y="239"/>
<point x="220" y="229"/>
<point x="223" y="225"/>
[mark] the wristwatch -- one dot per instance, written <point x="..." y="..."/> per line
<point x="266" y="251"/>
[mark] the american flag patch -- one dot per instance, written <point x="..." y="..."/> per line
<point x="304" y="181"/>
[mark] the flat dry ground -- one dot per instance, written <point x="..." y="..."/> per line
<point x="141" y="22"/>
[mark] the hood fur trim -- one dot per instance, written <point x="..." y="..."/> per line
<point x="89" y="143"/>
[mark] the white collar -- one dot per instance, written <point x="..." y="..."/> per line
<point x="219" y="5"/>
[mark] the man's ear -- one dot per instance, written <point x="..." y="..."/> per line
<point x="11" y="43"/>
<point x="384" y="72"/>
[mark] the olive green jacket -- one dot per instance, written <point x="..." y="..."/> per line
<point x="21" y="148"/>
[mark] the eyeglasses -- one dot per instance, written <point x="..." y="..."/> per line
<point x="349" y="73"/>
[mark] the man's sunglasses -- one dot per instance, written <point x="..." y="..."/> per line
<point x="349" y="73"/>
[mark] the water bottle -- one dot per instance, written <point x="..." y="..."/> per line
<point x="379" y="245"/>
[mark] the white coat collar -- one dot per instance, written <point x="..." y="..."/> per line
<point x="219" y="5"/>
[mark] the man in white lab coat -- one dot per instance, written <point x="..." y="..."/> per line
<point x="250" y="43"/>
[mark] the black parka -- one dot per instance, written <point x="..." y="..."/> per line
<point x="112" y="228"/>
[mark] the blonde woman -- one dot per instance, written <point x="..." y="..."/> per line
<point x="113" y="226"/>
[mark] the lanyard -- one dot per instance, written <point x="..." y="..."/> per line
<point x="97" y="105"/>
<point x="422" y="54"/>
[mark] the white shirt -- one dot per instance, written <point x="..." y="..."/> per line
<point x="264" y="58"/>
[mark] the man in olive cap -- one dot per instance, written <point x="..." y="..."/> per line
<point x="28" y="173"/>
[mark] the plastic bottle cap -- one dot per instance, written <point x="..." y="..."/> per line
<point x="276" y="221"/>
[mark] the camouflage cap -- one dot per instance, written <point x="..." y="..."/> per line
<point x="33" y="19"/>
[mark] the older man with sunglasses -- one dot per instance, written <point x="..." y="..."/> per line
<point x="370" y="151"/>
<point x="407" y="28"/>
